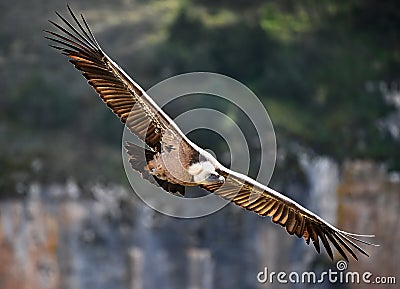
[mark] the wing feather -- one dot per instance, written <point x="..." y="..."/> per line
<point x="291" y="222"/>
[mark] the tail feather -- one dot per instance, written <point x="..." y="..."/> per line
<point x="139" y="158"/>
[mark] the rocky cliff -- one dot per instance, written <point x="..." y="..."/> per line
<point x="55" y="238"/>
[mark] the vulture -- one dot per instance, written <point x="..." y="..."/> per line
<point x="171" y="161"/>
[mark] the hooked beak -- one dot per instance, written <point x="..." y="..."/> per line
<point x="214" y="178"/>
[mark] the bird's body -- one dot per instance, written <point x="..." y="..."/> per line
<point x="179" y="164"/>
<point x="172" y="161"/>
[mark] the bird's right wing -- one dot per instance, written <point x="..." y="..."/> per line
<point x="127" y="99"/>
<point x="253" y="196"/>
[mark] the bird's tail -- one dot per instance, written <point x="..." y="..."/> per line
<point x="139" y="158"/>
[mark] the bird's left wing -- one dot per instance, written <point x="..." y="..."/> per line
<point x="253" y="196"/>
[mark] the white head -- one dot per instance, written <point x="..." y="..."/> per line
<point x="204" y="173"/>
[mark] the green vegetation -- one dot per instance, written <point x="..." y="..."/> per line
<point x="310" y="62"/>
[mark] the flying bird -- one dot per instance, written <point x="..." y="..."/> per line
<point x="173" y="162"/>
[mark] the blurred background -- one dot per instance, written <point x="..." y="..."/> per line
<point x="328" y="73"/>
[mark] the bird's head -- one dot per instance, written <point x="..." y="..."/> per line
<point x="204" y="173"/>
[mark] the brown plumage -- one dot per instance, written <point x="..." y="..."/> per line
<point x="172" y="161"/>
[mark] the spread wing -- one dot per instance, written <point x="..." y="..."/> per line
<point x="123" y="96"/>
<point x="297" y="220"/>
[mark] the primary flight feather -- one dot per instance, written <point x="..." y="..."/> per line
<point x="171" y="160"/>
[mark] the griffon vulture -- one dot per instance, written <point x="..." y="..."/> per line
<point x="171" y="160"/>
